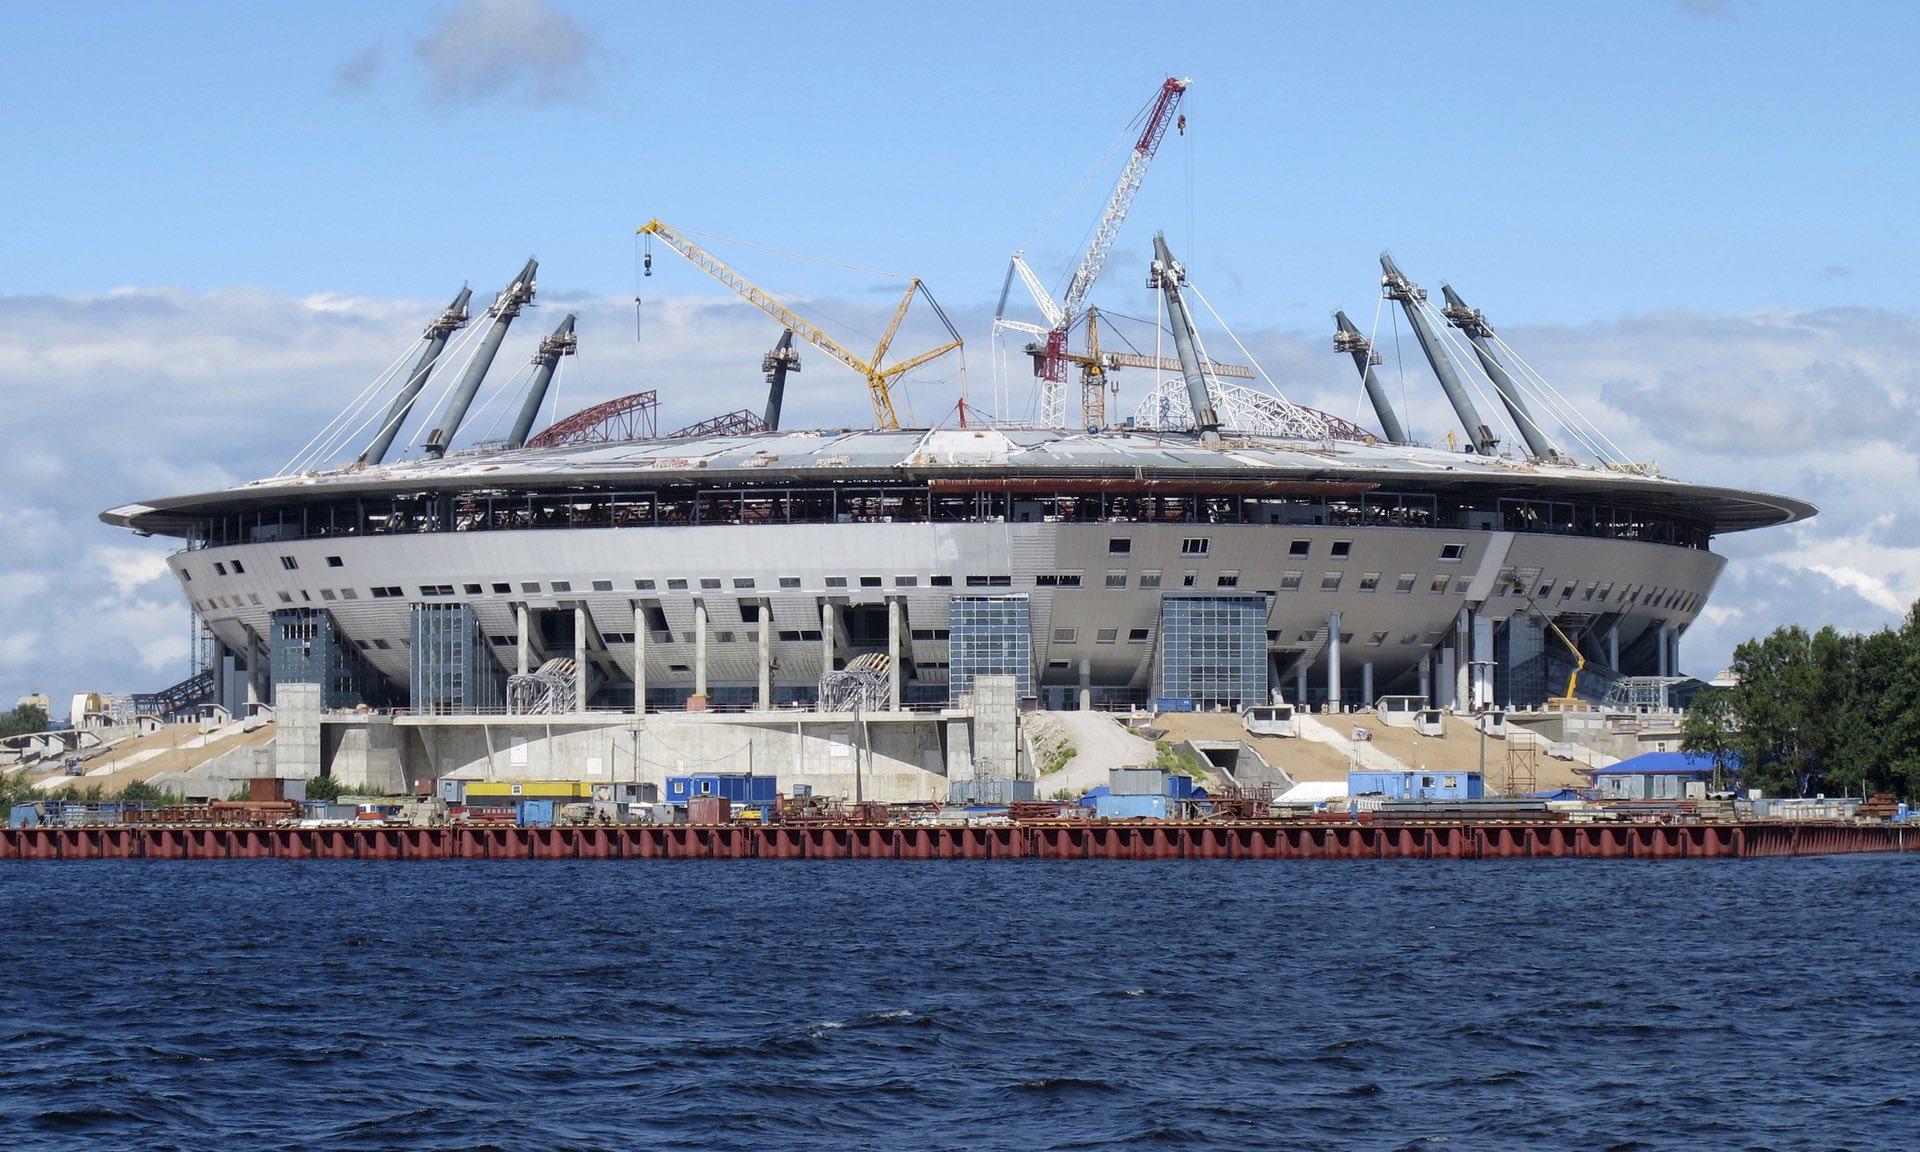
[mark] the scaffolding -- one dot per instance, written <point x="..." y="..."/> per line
<point x="1642" y="694"/>
<point x="864" y="685"/>
<point x="546" y="691"/>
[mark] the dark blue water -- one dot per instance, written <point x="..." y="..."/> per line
<point x="1475" y="1006"/>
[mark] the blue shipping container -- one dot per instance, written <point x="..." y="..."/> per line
<point x="753" y="791"/>
<point x="1130" y="807"/>
<point x="1417" y="785"/>
<point x="536" y="813"/>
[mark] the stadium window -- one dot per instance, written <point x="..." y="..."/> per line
<point x="1059" y="664"/>
<point x="682" y="669"/>
<point x="1138" y="635"/>
<point x="869" y="581"/>
<point x="1057" y="580"/>
<point x="186" y="576"/>
<point x="1189" y="578"/>
<point x="1410" y="638"/>
<point x="436" y="589"/>
<point x="599" y="586"/>
<point x="940" y="581"/>
<point x="1119" y="546"/>
<point x="471" y="589"/>
<point x="502" y="589"/>
<point x="530" y="586"/>
<point x="335" y="562"/>
<point x="676" y="585"/>
<point x="219" y="569"/>
<point x="1330" y="582"/>
<point x="1545" y="591"/>
<point x="1195" y="546"/>
<point x="382" y="645"/>
<point x="745" y="582"/>
<point x="709" y="584"/>
<point x="563" y="585"/>
<point x="349" y="594"/>
<point x="239" y="569"/>
<point x="836" y="581"/>
<point x="1406" y="582"/>
<point x="638" y="586"/>
<point x="1452" y="552"/>
<point x="1227" y="580"/>
<point x="906" y="581"/>
<point x="1066" y="635"/>
<point x="790" y="635"/>
<point x="1107" y="636"/>
<point x="1369" y="581"/>
<point x="1150" y="579"/>
<point x="1567" y="592"/>
<point x="723" y="637"/>
<point x="1377" y="639"/>
<point x="1290" y="581"/>
<point x="1439" y="584"/>
<point x="1300" y="548"/>
<point x="1117" y="579"/>
<point x="789" y="581"/>
<point x="1342" y="549"/>
<point x="326" y="594"/>
<point x="289" y="563"/>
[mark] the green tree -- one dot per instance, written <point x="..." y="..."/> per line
<point x="21" y="719"/>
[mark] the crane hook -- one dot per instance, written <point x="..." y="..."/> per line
<point x="1183" y="124"/>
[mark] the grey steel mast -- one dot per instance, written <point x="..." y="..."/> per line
<point x="448" y="322"/>
<point x="1477" y="330"/>
<point x="561" y="343"/>
<point x="1348" y="339"/>
<point x="1409" y="295"/>
<point x="776" y="364"/>
<point x="1167" y="275"/>
<point x="505" y="307"/>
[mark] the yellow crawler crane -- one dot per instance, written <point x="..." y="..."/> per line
<point x="879" y="379"/>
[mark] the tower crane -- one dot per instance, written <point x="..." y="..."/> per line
<point x="1050" y="361"/>
<point x="1095" y="364"/>
<point x="879" y="379"/>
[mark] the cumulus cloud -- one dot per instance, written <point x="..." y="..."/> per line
<point x="528" y="49"/>
<point x="134" y="394"/>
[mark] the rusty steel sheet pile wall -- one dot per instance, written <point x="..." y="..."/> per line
<point x="1093" y="840"/>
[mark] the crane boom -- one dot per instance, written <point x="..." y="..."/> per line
<point x="1108" y="229"/>
<point x="879" y="380"/>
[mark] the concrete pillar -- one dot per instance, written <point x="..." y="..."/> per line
<point x="1086" y="685"/>
<point x="893" y="653"/>
<point x="525" y="642"/>
<point x="1482" y="661"/>
<point x="1613" y="648"/>
<point x="256" y="667"/>
<point x="1443" y="679"/>
<point x="1366" y="684"/>
<point x="826" y="639"/>
<point x="1333" y="661"/>
<point x="766" y="657"/>
<point x="639" y="659"/>
<point x="1673" y="660"/>
<point x="1462" y="649"/>
<point x="1665" y="654"/>
<point x="1426" y="677"/>
<point x="1300" y="683"/>
<point x="579" y="657"/>
<point x="698" y="701"/>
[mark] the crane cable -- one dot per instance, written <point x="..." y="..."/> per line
<point x="307" y="454"/>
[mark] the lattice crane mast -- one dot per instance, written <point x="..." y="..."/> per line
<point x="879" y="379"/>
<point x="1050" y="361"/>
<point x="1096" y="365"/>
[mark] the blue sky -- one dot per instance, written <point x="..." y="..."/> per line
<point x="1566" y="162"/>
<point x="222" y="220"/>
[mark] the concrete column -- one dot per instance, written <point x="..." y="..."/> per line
<point x="1673" y="660"/>
<point x="579" y="657"/>
<point x="1613" y="648"/>
<point x="1366" y="684"/>
<point x="1665" y="654"/>
<point x="1300" y="684"/>
<point x="698" y="701"/>
<point x="766" y="657"/>
<point x="525" y="644"/>
<point x="1086" y="685"/>
<point x="639" y="659"/>
<point x="1443" y="678"/>
<point x="1482" y="657"/>
<point x="893" y="653"/>
<point x="826" y="639"/>
<point x="1333" y="661"/>
<point x="1462" y="649"/>
<point x="1426" y="677"/>
<point x="256" y="666"/>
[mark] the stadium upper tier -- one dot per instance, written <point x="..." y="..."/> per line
<point x="962" y="474"/>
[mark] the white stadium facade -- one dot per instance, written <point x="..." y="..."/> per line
<point x="1131" y="566"/>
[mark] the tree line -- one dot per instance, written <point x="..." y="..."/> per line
<point x="1827" y="712"/>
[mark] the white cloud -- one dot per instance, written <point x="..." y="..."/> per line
<point x="527" y="49"/>
<point x="131" y="568"/>
<point x="1871" y="588"/>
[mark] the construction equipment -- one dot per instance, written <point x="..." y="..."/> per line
<point x="1347" y="338"/>
<point x="1096" y="364"/>
<point x="1473" y="324"/>
<point x="1051" y="360"/>
<point x="879" y="379"/>
<point x="1569" y="701"/>
<point x="784" y="358"/>
<point x="443" y="326"/>
<point x="562" y="343"/>
<point x="1395" y="286"/>
<point x="506" y="306"/>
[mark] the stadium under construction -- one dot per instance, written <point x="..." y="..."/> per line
<point x="1222" y="547"/>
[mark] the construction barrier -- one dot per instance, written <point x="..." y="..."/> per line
<point x="1079" y="840"/>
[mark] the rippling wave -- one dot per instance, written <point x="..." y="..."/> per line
<point x="977" y="1006"/>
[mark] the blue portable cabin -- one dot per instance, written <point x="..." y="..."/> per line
<point x="739" y="787"/>
<point x="534" y="813"/>
<point x="1423" y="785"/>
<point x="1111" y="807"/>
<point x="1656" y="776"/>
